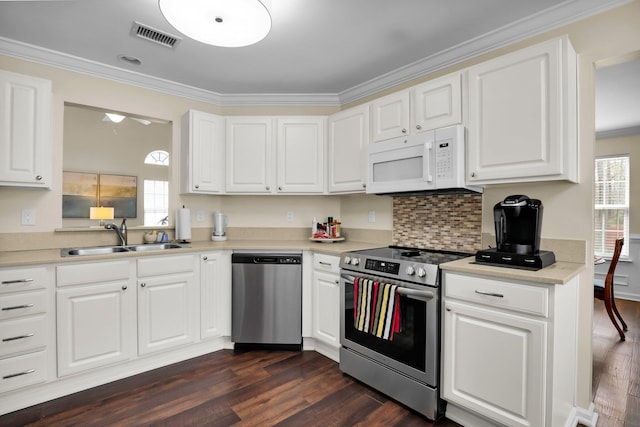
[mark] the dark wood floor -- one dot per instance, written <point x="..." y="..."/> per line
<point x="268" y="388"/>
<point x="616" y="367"/>
<point x="251" y="388"/>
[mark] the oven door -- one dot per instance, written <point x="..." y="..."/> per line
<point x="414" y="351"/>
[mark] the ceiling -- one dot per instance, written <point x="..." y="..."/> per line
<point x="321" y="52"/>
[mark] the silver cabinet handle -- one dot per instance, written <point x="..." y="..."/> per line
<point x="279" y="188"/>
<point x="20" y="337"/>
<point x="267" y="187"/>
<point x="337" y="282"/>
<point x="142" y="285"/>
<point x="197" y="186"/>
<point x="418" y="127"/>
<point x="9" y="282"/>
<point x="17" y="307"/>
<point x="490" y="294"/>
<point x="473" y="174"/>
<point x="324" y="263"/>
<point x="38" y="177"/>
<point x="124" y="287"/>
<point x="30" y="371"/>
<point x="204" y="258"/>
<point x="404" y="130"/>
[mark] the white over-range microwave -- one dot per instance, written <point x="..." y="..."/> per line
<point x="428" y="161"/>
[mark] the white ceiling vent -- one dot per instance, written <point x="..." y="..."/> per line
<point x="154" y="35"/>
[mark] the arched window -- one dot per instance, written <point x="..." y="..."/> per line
<point x="158" y="157"/>
<point x="156" y="193"/>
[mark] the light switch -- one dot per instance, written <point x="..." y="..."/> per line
<point x="29" y="216"/>
<point x="200" y="215"/>
<point x="372" y="216"/>
<point x="289" y="216"/>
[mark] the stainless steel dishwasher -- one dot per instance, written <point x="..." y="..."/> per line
<point x="266" y="300"/>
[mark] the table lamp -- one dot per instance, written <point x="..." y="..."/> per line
<point x="101" y="214"/>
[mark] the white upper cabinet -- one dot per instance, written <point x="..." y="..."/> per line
<point x="522" y="116"/>
<point x="25" y="131"/>
<point x="300" y="161"/>
<point x="430" y="105"/>
<point x="202" y="156"/>
<point x="437" y="103"/>
<point x="249" y="155"/>
<point x="348" y="138"/>
<point x="390" y="116"/>
<point x="287" y="151"/>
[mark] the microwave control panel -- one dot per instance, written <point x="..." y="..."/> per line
<point x="444" y="160"/>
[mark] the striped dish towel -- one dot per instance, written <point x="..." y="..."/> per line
<point x="376" y="308"/>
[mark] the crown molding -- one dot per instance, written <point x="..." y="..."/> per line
<point x="618" y="133"/>
<point x="565" y="13"/>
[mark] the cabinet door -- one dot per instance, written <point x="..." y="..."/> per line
<point x="437" y="103"/>
<point x="249" y="155"/>
<point x="494" y="363"/>
<point x="522" y="120"/>
<point x="215" y="294"/>
<point x="96" y="326"/>
<point x="300" y="161"/>
<point x="25" y="139"/>
<point x="202" y="153"/>
<point x="167" y="312"/>
<point x="390" y="116"/>
<point x="326" y="308"/>
<point x="348" y="137"/>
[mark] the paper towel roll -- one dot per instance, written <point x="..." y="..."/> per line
<point x="183" y="224"/>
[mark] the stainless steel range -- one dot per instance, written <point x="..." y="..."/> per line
<point x="405" y="367"/>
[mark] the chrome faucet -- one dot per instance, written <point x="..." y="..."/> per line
<point x="122" y="231"/>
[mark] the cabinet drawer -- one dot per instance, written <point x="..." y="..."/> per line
<point x="21" y="371"/>
<point x="92" y="272"/>
<point x="22" y="279"/>
<point x="22" y="304"/>
<point x="497" y="293"/>
<point x="22" y="335"/>
<point x="326" y="263"/>
<point x="165" y="265"/>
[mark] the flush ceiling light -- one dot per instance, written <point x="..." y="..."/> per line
<point x="225" y="23"/>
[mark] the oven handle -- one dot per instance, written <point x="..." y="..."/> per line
<point x="401" y="290"/>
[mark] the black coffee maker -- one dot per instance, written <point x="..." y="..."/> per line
<point x="518" y="225"/>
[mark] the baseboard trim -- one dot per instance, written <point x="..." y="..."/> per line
<point x="585" y="417"/>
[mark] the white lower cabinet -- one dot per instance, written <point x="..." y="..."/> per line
<point x="96" y="315"/>
<point x="504" y="349"/>
<point x="167" y="302"/>
<point x="215" y="294"/>
<point x="27" y="335"/>
<point x="326" y="305"/>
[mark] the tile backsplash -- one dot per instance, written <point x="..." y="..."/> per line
<point x="443" y="221"/>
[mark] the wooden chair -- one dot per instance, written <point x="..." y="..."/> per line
<point x="603" y="290"/>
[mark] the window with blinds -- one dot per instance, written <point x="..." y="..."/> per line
<point x="611" y="204"/>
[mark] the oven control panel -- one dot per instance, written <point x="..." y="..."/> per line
<point x="382" y="266"/>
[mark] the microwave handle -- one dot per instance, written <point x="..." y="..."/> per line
<point x="427" y="154"/>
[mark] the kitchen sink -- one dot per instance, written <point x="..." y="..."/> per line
<point x="106" y="250"/>
<point x="154" y="247"/>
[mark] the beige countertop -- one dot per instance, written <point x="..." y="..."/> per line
<point x="48" y="256"/>
<point x="557" y="273"/>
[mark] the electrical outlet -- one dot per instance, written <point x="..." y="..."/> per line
<point x="29" y="216"/>
<point x="289" y="216"/>
<point x="372" y="216"/>
<point x="199" y="215"/>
